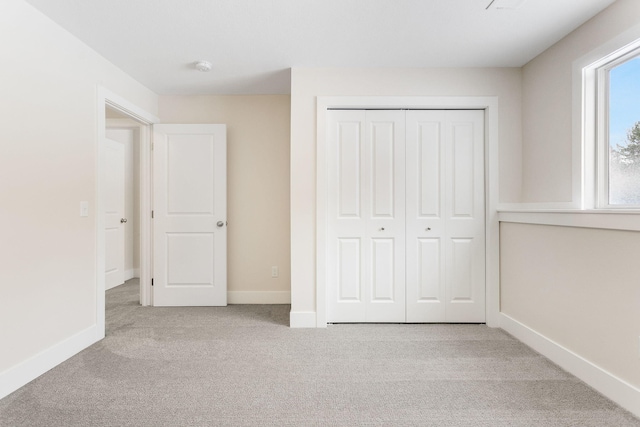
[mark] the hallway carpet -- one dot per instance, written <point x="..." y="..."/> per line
<point x="242" y="366"/>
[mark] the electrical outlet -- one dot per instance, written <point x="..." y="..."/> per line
<point x="274" y="271"/>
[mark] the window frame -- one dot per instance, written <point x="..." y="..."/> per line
<point x="596" y="127"/>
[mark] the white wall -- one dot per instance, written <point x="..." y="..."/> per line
<point x="308" y="84"/>
<point x="257" y="187"/>
<point x="48" y="114"/>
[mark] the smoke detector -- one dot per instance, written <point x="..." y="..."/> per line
<point x="203" y="66"/>
<point x="505" y="4"/>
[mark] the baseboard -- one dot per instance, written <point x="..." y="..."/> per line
<point x="131" y="273"/>
<point x="616" y="389"/>
<point x="14" y="378"/>
<point x="258" y="297"/>
<point x="302" y="319"/>
<point x="107" y="287"/>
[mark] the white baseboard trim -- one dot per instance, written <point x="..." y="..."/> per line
<point x="107" y="287"/>
<point x="302" y="319"/>
<point x="23" y="373"/>
<point x="258" y="297"/>
<point x="131" y="273"/>
<point x="616" y="389"/>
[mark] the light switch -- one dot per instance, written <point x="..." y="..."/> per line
<point x="84" y="208"/>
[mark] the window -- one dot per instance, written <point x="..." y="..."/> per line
<point x="618" y="131"/>
<point x="624" y="133"/>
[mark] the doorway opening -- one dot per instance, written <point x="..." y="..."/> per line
<point x="127" y="127"/>
<point x="122" y="199"/>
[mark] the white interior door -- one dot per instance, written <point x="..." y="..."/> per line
<point x="129" y="138"/>
<point x="114" y="188"/>
<point x="445" y="216"/>
<point x="366" y="216"/>
<point x="190" y="210"/>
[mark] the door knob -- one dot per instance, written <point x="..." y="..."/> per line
<point x="123" y="220"/>
<point x="220" y="223"/>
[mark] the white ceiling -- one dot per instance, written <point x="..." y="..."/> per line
<point x="253" y="43"/>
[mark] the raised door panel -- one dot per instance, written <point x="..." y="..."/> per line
<point x="349" y="281"/>
<point x="429" y="271"/>
<point x="462" y="170"/>
<point x="190" y="175"/>
<point x="426" y="154"/>
<point x="189" y="258"/>
<point x="382" y="143"/>
<point x="348" y="153"/>
<point x="383" y="281"/>
<point x="460" y="286"/>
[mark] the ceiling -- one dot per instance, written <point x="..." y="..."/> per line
<point x="253" y="43"/>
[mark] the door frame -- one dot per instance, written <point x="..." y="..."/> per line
<point x="146" y="120"/>
<point x="491" y="147"/>
<point x="140" y="130"/>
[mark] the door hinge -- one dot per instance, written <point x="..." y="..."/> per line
<point x="151" y="214"/>
<point x="151" y="282"/>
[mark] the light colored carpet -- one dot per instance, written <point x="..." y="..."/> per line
<point x="243" y="366"/>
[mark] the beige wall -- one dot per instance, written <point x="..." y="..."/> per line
<point x="547" y="107"/>
<point x="48" y="110"/>
<point x="578" y="287"/>
<point x="307" y="84"/>
<point x="258" y="181"/>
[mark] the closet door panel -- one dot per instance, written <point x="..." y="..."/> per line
<point x="383" y="145"/>
<point x="348" y="159"/>
<point x="385" y="148"/>
<point x="383" y="282"/>
<point x="425" y="183"/>
<point x="349" y="283"/>
<point x="429" y="271"/>
<point x="347" y="230"/>
<point x="465" y="217"/>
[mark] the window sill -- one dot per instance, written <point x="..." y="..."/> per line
<point x="608" y="219"/>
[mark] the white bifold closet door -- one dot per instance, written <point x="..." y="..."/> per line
<point x="367" y="219"/>
<point x="405" y="216"/>
<point x="445" y="216"/>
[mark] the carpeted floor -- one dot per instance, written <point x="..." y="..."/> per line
<point x="242" y="366"/>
